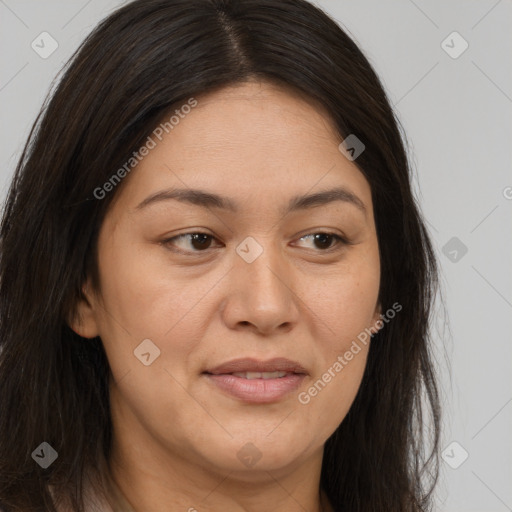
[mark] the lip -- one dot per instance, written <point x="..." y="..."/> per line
<point x="278" y="364"/>
<point x="259" y="390"/>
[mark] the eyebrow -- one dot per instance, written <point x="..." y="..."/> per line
<point x="210" y="200"/>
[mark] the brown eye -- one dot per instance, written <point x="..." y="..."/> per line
<point x="193" y="242"/>
<point x="324" y="241"/>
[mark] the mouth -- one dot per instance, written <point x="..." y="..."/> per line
<point x="258" y="382"/>
<point x="260" y="375"/>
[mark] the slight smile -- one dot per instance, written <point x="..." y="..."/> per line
<point x="259" y="382"/>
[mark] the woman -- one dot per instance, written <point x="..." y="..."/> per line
<point x="215" y="281"/>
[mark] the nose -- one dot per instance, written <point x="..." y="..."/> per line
<point x="262" y="295"/>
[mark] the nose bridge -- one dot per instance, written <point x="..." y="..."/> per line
<point x="262" y="263"/>
<point x="261" y="271"/>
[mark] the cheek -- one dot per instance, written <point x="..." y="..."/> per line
<point x="145" y="297"/>
<point x="326" y="401"/>
<point x="144" y="301"/>
<point x="345" y="313"/>
<point x="345" y="308"/>
<point x="345" y="304"/>
<point x="135" y="291"/>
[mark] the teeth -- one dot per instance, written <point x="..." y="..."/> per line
<point x="259" y="375"/>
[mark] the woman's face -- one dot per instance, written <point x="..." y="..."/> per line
<point x="216" y="341"/>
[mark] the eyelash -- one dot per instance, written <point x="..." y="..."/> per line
<point x="341" y="241"/>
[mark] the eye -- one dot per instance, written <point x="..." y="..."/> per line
<point x="324" y="240"/>
<point x="200" y="242"/>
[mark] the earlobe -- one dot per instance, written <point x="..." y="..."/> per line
<point x="377" y="322"/>
<point x="83" y="319"/>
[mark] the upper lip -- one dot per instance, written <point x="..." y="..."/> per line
<point x="278" y="364"/>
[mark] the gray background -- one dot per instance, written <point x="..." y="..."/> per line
<point x="457" y="116"/>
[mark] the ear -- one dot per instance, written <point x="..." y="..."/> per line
<point x="377" y="322"/>
<point x="83" y="319"/>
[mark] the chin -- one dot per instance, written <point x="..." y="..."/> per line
<point x="250" y="458"/>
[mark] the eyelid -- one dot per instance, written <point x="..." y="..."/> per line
<point x="167" y="242"/>
<point x="341" y="239"/>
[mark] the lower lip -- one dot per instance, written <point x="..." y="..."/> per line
<point x="258" y="391"/>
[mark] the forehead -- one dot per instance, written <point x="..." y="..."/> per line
<point x="262" y="110"/>
<point x="252" y="139"/>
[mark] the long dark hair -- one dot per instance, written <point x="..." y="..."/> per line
<point x="144" y="59"/>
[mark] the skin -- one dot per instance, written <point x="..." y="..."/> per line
<point x="176" y="436"/>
